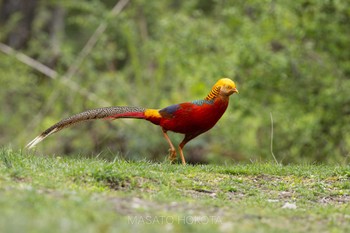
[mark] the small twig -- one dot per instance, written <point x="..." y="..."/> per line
<point x="271" y="143"/>
<point x="93" y="40"/>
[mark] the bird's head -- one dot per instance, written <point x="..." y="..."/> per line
<point x="227" y="86"/>
<point x="223" y="87"/>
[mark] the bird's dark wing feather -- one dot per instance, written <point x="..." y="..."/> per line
<point x="168" y="112"/>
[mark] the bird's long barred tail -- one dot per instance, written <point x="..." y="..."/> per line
<point x="99" y="113"/>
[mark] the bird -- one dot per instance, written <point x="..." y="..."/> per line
<point x="189" y="118"/>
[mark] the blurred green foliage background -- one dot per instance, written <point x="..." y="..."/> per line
<point x="288" y="58"/>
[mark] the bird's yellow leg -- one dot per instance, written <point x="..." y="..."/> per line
<point x="172" y="150"/>
<point x="188" y="137"/>
<point x="182" y="156"/>
<point x="181" y="146"/>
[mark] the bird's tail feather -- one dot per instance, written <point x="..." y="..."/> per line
<point x="99" y="113"/>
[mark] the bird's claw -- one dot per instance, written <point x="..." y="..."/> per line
<point x="172" y="155"/>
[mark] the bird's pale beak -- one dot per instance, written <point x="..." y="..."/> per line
<point x="235" y="90"/>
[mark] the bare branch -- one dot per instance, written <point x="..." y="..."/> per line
<point x="29" y="61"/>
<point x="93" y="40"/>
<point x="66" y="78"/>
<point x="52" y="74"/>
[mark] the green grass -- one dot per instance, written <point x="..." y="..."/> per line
<point x="61" y="194"/>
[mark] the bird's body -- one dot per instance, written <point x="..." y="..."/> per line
<point x="192" y="117"/>
<point x="189" y="118"/>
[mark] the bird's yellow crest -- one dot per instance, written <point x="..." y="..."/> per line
<point x="224" y="82"/>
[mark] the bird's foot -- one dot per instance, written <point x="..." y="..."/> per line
<point x="172" y="155"/>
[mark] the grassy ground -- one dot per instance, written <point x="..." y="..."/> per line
<point x="55" y="194"/>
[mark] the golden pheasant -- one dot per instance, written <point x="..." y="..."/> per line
<point x="189" y="118"/>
